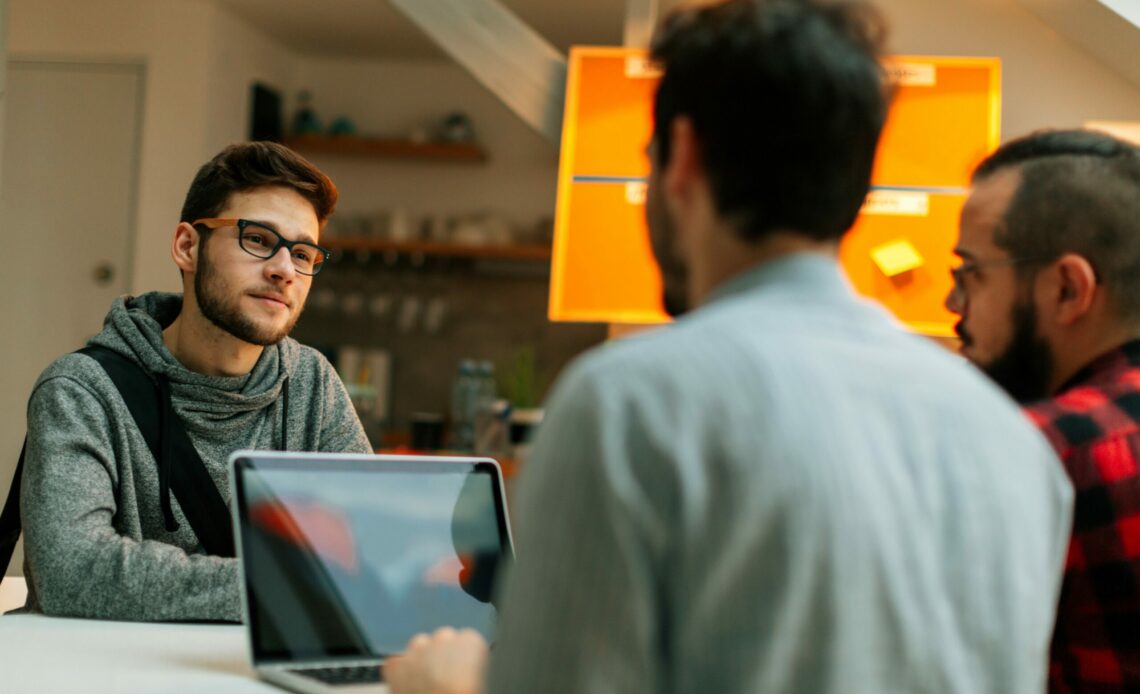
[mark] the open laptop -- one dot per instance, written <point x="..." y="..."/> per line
<point x="345" y="557"/>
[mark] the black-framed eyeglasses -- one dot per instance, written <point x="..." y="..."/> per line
<point x="263" y="242"/>
<point x="958" y="274"/>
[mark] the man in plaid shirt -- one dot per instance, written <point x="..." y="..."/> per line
<point x="1049" y="297"/>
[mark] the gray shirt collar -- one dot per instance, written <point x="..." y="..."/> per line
<point x="808" y="273"/>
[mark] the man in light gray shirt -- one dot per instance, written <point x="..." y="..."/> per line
<point x="104" y="535"/>
<point x="783" y="491"/>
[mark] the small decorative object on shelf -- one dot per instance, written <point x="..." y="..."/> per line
<point x="341" y="126"/>
<point x="456" y="127"/>
<point x="305" y="121"/>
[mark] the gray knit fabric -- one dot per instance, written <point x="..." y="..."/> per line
<point x="94" y="539"/>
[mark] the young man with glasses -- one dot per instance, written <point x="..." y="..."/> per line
<point x="103" y="536"/>
<point x="1049" y="298"/>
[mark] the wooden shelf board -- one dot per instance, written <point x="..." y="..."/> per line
<point x="382" y="148"/>
<point x="495" y="251"/>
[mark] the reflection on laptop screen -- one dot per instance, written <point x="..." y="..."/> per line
<point x="354" y="562"/>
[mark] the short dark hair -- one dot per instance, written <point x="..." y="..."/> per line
<point x="787" y="99"/>
<point x="1053" y="143"/>
<point x="1079" y="192"/>
<point x="249" y="165"/>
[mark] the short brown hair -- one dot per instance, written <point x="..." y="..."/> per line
<point x="249" y="165"/>
<point x="1079" y="193"/>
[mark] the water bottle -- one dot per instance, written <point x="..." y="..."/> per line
<point x="486" y="387"/>
<point x="464" y="401"/>
<point x="484" y="405"/>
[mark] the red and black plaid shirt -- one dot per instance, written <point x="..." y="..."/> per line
<point x="1094" y="423"/>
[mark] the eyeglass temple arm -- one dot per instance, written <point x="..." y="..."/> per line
<point x="215" y="222"/>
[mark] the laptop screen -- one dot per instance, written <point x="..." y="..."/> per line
<point x="350" y="556"/>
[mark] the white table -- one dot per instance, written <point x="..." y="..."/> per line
<point x="51" y="654"/>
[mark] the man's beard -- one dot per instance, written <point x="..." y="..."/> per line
<point x="1024" y="368"/>
<point x="223" y="311"/>
<point x="674" y="294"/>
<point x="662" y="241"/>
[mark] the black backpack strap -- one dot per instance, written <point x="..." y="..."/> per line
<point x="197" y="495"/>
<point x="175" y="455"/>
<point x="10" y="516"/>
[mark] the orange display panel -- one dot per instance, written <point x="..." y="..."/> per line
<point x="614" y="114"/>
<point x="620" y="264"/>
<point x="944" y="119"/>
<point x="602" y="268"/>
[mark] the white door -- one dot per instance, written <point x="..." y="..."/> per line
<point x="71" y="136"/>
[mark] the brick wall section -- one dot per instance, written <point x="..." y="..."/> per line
<point x="495" y="310"/>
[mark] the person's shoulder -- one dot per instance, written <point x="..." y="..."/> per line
<point x="305" y="353"/>
<point x="72" y="375"/>
<point x="653" y="349"/>
<point x="658" y="362"/>
<point x="74" y="366"/>
<point x="1087" y="414"/>
<point x="304" y="361"/>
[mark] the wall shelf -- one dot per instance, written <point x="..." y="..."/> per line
<point x="531" y="252"/>
<point x="351" y="145"/>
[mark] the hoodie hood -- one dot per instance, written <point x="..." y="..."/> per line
<point x="134" y="326"/>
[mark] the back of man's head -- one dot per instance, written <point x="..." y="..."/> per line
<point x="787" y="99"/>
<point x="249" y="165"/>
<point x="1079" y="192"/>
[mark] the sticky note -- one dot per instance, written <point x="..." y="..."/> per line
<point x="896" y="257"/>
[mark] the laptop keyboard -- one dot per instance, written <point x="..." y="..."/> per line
<point x="351" y="674"/>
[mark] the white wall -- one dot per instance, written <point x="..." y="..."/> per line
<point x="199" y="62"/>
<point x="239" y="55"/>
<point x="169" y="38"/>
<point x="3" y="74"/>
<point x="391" y="99"/>
<point x="1047" y="81"/>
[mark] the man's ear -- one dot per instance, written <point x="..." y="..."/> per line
<point x="1070" y="288"/>
<point x="684" y="165"/>
<point x="184" y="248"/>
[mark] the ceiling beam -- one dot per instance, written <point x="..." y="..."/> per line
<point x="1129" y="9"/>
<point x="640" y="19"/>
<point x="501" y="51"/>
<point x="1097" y="26"/>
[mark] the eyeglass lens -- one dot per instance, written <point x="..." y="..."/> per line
<point x="264" y="243"/>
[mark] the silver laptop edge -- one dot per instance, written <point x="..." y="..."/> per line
<point x="277" y="672"/>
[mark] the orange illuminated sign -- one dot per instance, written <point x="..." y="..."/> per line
<point x="944" y="119"/>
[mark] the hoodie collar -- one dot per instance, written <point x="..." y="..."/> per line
<point x="134" y="328"/>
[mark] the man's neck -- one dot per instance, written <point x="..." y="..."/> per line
<point x="202" y="347"/>
<point x="726" y="255"/>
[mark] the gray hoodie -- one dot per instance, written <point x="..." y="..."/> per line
<point x="95" y="543"/>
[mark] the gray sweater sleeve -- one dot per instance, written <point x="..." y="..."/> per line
<point x="88" y="556"/>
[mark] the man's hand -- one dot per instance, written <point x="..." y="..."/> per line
<point x="447" y="662"/>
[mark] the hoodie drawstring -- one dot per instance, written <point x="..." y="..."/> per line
<point x="165" y="412"/>
<point x="285" y="414"/>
